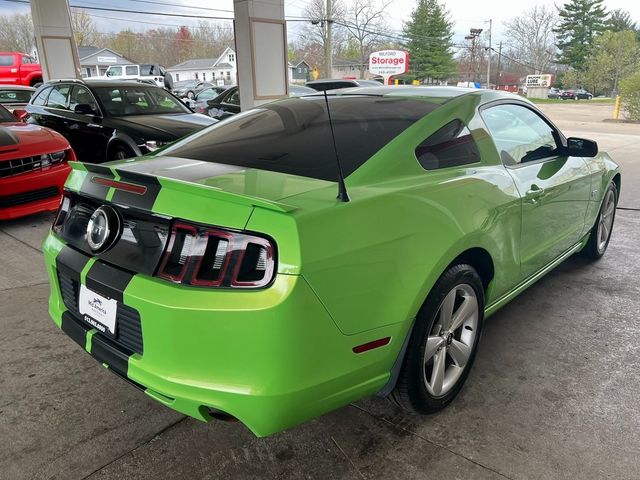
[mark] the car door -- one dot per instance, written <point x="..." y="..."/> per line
<point x="554" y="188"/>
<point x="8" y="72"/>
<point x="86" y="133"/>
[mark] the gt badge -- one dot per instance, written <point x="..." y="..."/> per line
<point x="103" y="228"/>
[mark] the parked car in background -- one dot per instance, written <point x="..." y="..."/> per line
<point x="554" y="93"/>
<point x="235" y="284"/>
<point x="15" y="96"/>
<point x="228" y="102"/>
<point x="578" y="94"/>
<point x="107" y="120"/>
<point x="190" y="88"/>
<point x="145" y="71"/>
<point x="335" y="83"/>
<point x="19" y="69"/>
<point x="199" y="102"/>
<point x="33" y="167"/>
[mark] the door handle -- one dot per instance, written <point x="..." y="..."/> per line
<point x="534" y="193"/>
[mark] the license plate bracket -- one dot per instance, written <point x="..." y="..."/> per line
<point x="98" y="311"/>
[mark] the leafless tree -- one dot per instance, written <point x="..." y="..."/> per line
<point x="530" y="38"/>
<point x="365" y="23"/>
<point x="316" y="31"/>
<point x="84" y="28"/>
<point x="16" y="33"/>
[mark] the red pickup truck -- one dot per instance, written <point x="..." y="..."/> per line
<point x="19" y="69"/>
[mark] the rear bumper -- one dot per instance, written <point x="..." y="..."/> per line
<point x="32" y="192"/>
<point x="271" y="358"/>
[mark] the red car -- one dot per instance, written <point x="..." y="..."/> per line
<point x="33" y="167"/>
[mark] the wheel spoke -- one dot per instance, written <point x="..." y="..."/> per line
<point x="437" y="374"/>
<point x="459" y="352"/>
<point x="446" y="310"/>
<point x="468" y="308"/>
<point x="432" y="347"/>
<point x="609" y="210"/>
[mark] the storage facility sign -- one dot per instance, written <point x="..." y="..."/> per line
<point x="387" y="63"/>
<point x="543" y="80"/>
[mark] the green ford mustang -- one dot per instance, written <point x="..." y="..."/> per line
<point x="223" y="277"/>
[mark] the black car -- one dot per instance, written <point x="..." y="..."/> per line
<point x="199" y="102"/>
<point x="579" y="94"/>
<point x="112" y="119"/>
<point x="228" y="102"/>
<point x="335" y="83"/>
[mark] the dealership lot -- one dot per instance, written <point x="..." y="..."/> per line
<point x="553" y="392"/>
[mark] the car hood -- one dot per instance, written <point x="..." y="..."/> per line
<point x="160" y="127"/>
<point x="24" y="140"/>
<point x="239" y="181"/>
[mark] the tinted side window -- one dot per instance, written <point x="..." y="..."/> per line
<point x="132" y="70"/>
<point x="6" y="60"/>
<point x="59" y="96"/>
<point x="451" y="146"/>
<point x="82" y="95"/>
<point x="233" y="99"/>
<point x="520" y="135"/>
<point x="41" y="98"/>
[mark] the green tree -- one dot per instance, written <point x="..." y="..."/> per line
<point x="620" y="20"/>
<point x="581" y="21"/>
<point x="429" y="32"/>
<point x="615" y="56"/>
<point x="630" y="91"/>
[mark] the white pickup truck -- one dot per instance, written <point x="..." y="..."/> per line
<point x="145" y="71"/>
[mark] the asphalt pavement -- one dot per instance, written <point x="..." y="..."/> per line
<point x="553" y="393"/>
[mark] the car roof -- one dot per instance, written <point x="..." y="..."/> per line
<point x="16" y="87"/>
<point x="406" y="91"/>
<point x="102" y="83"/>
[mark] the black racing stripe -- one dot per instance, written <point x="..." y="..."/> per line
<point x="144" y="201"/>
<point x="94" y="189"/>
<point x="76" y="330"/>
<point x="108" y="281"/>
<point x="7" y="137"/>
<point x="105" y="352"/>
<point x="70" y="262"/>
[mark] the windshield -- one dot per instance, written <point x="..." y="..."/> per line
<point x="15" y="96"/>
<point x="293" y="136"/>
<point x="6" y="116"/>
<point x="137" y="100"/>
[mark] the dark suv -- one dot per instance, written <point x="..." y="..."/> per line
<point x="112" y="119"/>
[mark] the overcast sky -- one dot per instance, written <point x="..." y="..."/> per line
<point x="465" y="13"/>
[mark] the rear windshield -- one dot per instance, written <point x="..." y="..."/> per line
<point x="293" y="136"/>
<point x="15" y="96"/>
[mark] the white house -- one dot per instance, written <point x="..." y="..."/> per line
<point x="220" y="71"/>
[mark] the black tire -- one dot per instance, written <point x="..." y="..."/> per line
<point x="411" y="391"/>
<point x="595" y="247"/>
<point x="120" y="151"/>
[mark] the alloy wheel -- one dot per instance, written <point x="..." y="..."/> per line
<point x="450" y="343"/>
<point x="606" y="220"/>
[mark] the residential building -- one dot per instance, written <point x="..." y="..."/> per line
<point x="94" y="61"/>
<point x="299" y="72"/>
<point x="220" y="71"/>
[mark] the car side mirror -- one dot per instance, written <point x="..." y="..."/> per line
<point x="20" y="114"/>
<point x="581" y="147"/>
<point x="84" y="109"/>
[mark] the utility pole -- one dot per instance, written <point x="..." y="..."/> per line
<point x="328" y="47"/>
<point x="474" y="33"/>
<point x="499" y="59"/>
<point x="489" y="57"/>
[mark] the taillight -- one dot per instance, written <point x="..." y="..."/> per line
<point x="212" y="257"/>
